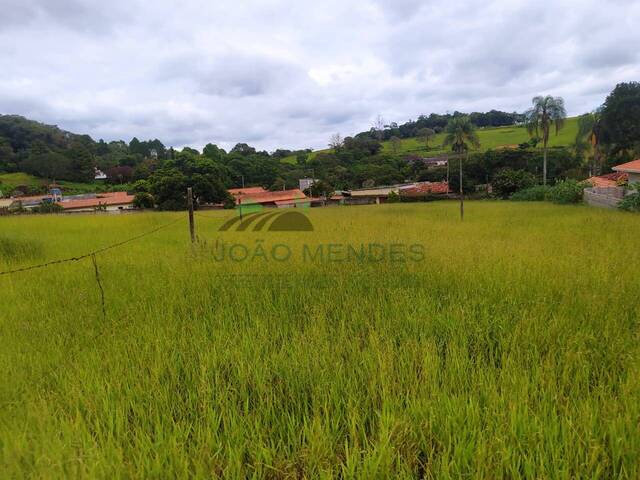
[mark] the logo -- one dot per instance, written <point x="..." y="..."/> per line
<point x="265" y="221"/>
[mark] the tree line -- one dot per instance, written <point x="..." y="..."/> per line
<point x="607" y="136"/>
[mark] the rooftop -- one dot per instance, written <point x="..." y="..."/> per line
<point x="268" y="197"/>
<point x="246" y="191"/>
<point x="109" y="198"/>
<point x="629" y="167"/>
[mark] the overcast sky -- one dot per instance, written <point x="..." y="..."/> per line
<point x="289" y="73"/>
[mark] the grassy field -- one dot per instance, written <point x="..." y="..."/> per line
<point x="490" y="138"/>
<point x="509" y="351"/>
<point x="8" y="181"/>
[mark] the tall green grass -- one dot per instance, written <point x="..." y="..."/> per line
<point x="510" y="352"/>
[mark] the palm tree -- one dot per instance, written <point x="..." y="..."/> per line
<point x="460" y="133"/>
<point x="546" y="112"/>
<point x="589" y="133"/>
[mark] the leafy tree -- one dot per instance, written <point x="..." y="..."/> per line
<point x="588" y="137"/>
<point x="461" y="134"/>
<point x="213" y="152"/>
<point x="243" y="149"/>
<point x="169" y="187"/>
<point x="320" y="189"/>
<point x="621" y="118"/>
<point x="396" y="144"/>
<point x="122" y="174"/>
<point x="508" y="181"/>
<point x="82" y="166"/>
<point x="143" y="200"/>
<point x="336" y="142"/>
<point x="547" y="112"/>
<point x="425" y="135"/>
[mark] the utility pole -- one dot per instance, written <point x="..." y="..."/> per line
<point x="461" y="193"/>
<point x="447" y="171"/>
<point x="192" y="227"/>
<point x="242" y="181"/>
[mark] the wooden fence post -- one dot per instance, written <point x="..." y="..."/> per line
<point x="192" y="227"/>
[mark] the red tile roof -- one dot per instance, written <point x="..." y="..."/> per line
<point x="109" y="198"/>
<point x="272" y="197"/>
<point x="246" y="191"/>
<point x="609" y="180"/>
<point x="629" y="167"/>
<point x="425" y="188"/>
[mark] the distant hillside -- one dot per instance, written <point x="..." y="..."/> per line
<point x="490" y="138"/>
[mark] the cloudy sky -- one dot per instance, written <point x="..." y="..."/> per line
<point x="289" y="73"/>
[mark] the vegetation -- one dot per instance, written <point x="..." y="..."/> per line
<point x="511" y="351"/>
<point x="547" y="112"/>
<point x="460" y="135"/>
<point x="567" y="191"/>
<point x="508" y="181"/>
<point x="631" y="202"/>
<point x="537" y="193"/>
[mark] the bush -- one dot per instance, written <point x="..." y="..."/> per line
<point x="531" y="194"/>
<point x="568" y="191"/>
<point x="393" y="197"/>
<point x="508" y="181"/>
<point x="48" y="207"/>
<point x="143" y="200"/>
<point x="631" y="203"/>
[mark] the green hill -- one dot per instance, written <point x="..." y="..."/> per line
<point x="490" y="138"/>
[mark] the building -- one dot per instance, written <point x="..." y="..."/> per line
<point x="306" y="183"/>
<point x="422" y="190"/>
<point x="236" y="192"/>
<point x="6" y="204"/>
<point x="615" y="179"/>
<point x="108" y="202"/>
<point x="99" y="174"/>
<point x="278" y="199"/>
<point x="632" y="169"/>
<point x="32" y="201"/>
<point x="333" y="200"/>
<point x="377" y="195"/>
<point x="607" y="190"/>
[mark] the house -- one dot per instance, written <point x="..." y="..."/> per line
<point x="614" y="179"/>
<point x="379" y="195"/>
<point x="632" y="169"/>
<point x="6" y="204"/>
<point x="424" y="190"/>
<point x="278" y="199"/>
<point x="333" y="200"/>
<point x="246" y="191"/>
<point x="32" y="201"/>
<point x="109" y="202"/>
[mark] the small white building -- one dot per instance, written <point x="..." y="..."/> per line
<point x="306" y="183"/>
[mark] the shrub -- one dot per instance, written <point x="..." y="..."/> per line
<point x="393" y="197"/>
<point x="631" y="203"/>
<point x="508" y="181"/>
<point x="48" y="207"/>
<point x="532" y="194"/>
<point x="143" y="200"/>
<point x="567" y="191"/>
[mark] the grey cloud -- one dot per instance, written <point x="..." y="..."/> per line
<point x="79" y="15"/>
<point x="290" y="75"/>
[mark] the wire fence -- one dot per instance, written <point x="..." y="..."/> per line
<point x="94" y="261"/>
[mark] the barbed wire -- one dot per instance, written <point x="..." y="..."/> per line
<point x="90" y="254"/>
